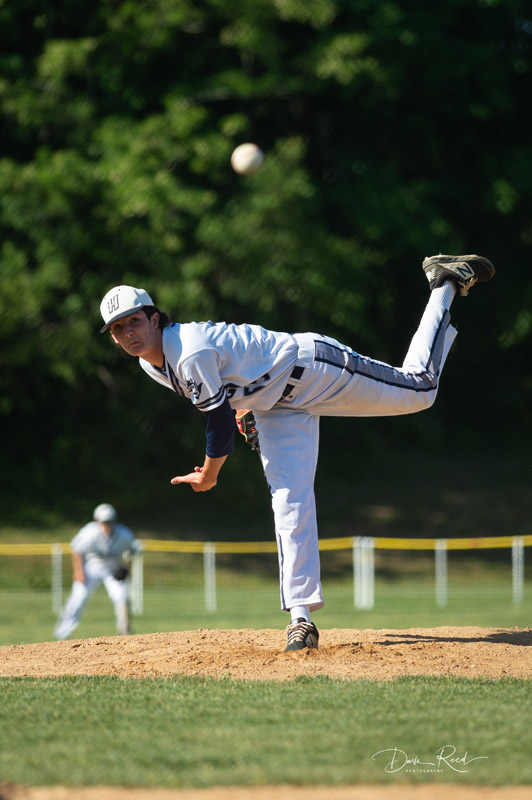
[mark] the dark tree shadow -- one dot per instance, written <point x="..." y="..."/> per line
<point x="520" y="638"/>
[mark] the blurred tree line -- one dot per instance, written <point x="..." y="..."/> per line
<point x="393" y="130"/>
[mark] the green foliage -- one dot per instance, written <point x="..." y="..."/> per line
<point x="264" y="724"/>
<point x="392" y="131"/>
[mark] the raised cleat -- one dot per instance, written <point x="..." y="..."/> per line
<point x="464" y="271"/>
<point x="301" y="634"/>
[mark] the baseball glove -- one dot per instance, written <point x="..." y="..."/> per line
<point x="121" y="573"/>
<point x="245" y="422"/>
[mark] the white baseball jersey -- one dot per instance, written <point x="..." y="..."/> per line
<point x="101" y="556"/>
<point x="99" y="550"/>
<point x="290" y="381"/>
<point x="207" y="362"/>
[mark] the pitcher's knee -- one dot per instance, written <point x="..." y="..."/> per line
<point x="425" y="400"/>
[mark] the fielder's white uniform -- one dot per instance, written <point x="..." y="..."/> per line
<point x="290" y="381"/>
<point x="102" y="555"/>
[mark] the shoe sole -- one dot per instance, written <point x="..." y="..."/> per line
<point x="483" y="268"/>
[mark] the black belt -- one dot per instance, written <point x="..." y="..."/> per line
<point x="296" y="374"/>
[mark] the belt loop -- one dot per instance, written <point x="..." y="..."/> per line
<point x="296" y="374"/>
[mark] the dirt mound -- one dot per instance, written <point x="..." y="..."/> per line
<point x="409" y="792"/>
<point x="259" y="654"/>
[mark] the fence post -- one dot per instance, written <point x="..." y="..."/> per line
<point x="440" y="564"/>
<point x="137" y="583"/>
<point x="518" y="569"/>
<point x="364" y="571"/>
<point x="357" y="578"/>
<point x="57" y="578"/>
<point x="209" y="572"/>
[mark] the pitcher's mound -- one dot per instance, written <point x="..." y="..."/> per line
<point x="259" y="654"/>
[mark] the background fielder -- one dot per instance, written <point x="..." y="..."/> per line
<point x="289" y="381"/>
<point x="101" y="552"/>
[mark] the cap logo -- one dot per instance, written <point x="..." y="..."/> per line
<point x="113" y="304"/>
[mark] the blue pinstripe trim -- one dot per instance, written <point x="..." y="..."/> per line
<point x="220" y="394"/>
<point x="439" y="340"/>
<point x="168" y="372"/>
<point x="328" y="353"/>
<point x="410" y="381"/>
<point x="415" y="382"/>
<point x="175" y="382"/>
<point x="281" y="565"/>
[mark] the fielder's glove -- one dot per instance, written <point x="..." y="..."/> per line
<point x="245" y="422"/>
<point x="121" y="573"/>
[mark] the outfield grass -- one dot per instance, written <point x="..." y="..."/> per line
<point x="26" y="616"/>
<point x="193" y="732"/>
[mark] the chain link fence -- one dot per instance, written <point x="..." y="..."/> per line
<point x="217" y="576"/>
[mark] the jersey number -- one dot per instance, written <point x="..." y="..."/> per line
<point x="256" y="386"/>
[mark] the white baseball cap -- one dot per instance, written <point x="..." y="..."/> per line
<point x="105" y="512"/>
<point x="120" y="301"/>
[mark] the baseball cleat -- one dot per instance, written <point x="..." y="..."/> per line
<point x="301" y="634"/>
<point x="464" y="271"/>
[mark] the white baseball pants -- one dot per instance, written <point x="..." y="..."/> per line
<point x="333" y="380"/>
<point x="80" y="594"/>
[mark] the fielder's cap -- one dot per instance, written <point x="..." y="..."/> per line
<point x="105" y="512"/>
<point x="122" y="301"/>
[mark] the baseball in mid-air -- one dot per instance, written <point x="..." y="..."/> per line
<point x="247" y="159"/>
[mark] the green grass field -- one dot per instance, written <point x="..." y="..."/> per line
<point x="26" y="616"/>
<point x="192" y="732"/>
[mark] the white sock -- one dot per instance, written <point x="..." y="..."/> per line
<point x="444" y="295"/>
<point x="299" y="611"/>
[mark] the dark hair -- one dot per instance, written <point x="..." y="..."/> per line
<point x="164" y="319"/>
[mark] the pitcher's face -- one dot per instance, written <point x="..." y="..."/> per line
<point x="139" y="336"/>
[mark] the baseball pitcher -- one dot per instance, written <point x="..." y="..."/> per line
<point x="288" y="381"/>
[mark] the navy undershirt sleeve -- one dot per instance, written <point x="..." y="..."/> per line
<point x="221" y="428"/>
